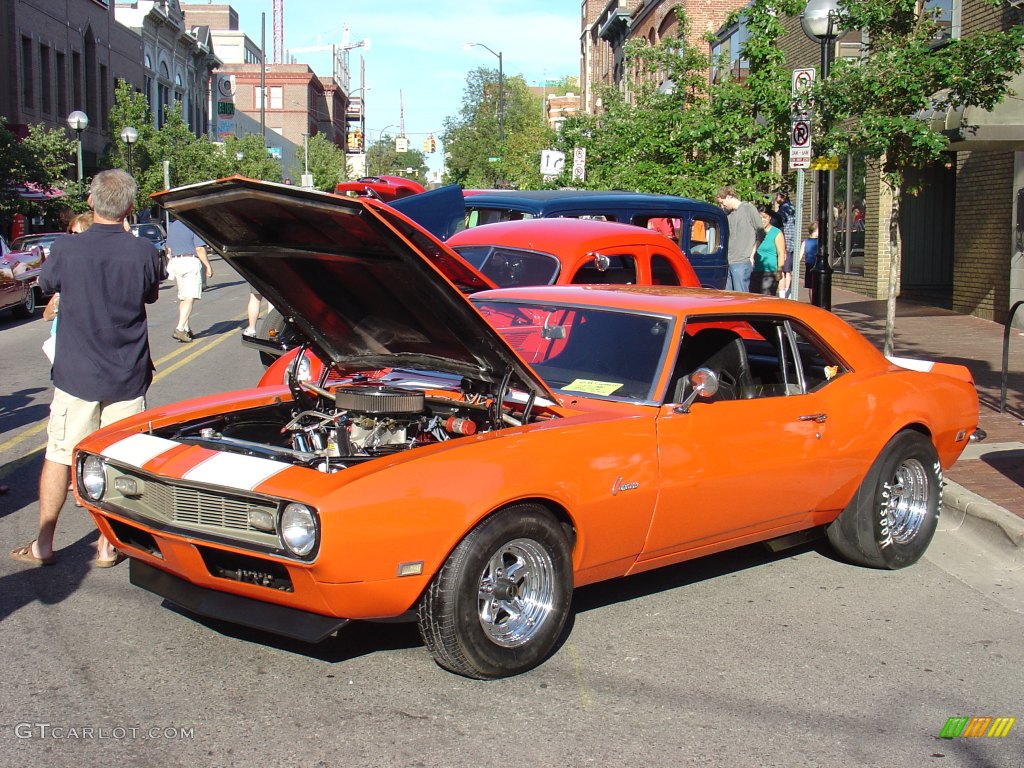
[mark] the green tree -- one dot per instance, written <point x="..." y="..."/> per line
<point x="476" y="155"/>
<point x="691" y="138"/>
<point x="326" y="163"/>
<point x="44" y="157"/>
<point x="872" y="102"/>
<point x="56" y="157"/>
<point x="247" y="156"/>
<point x="131" y="108"/>
<point x="383" y="160"/>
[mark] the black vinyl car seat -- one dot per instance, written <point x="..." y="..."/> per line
<point x="723" y="352"/>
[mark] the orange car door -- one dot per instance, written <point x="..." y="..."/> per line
<point x="754" y="461"/>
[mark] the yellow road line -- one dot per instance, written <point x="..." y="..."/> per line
<point x="586" y="702"/>
<point x="35" y="429"/>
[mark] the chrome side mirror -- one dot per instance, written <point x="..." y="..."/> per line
<point x="703" y="383"/>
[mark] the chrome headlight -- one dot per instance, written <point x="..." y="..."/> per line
<point x="94" y="477"/>
<point x="299" y="529"/>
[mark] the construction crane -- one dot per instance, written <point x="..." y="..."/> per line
<point x="278" y="30"/>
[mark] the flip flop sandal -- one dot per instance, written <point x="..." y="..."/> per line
<point x="24" y="555"/>
<point x="119" y="557"/>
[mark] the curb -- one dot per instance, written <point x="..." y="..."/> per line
<point x="967" y="512"/>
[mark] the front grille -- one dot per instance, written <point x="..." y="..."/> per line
<point x="192" y="508"/>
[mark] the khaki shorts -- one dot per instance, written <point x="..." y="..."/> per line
<point x="187" y="272"/>
<point x="72" y="419"/>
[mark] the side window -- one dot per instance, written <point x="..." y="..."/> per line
<point x="477" y="216"/>
<point x="601" y="269"/>
<point x="754" y="358"/>
<point x="662" y="271"/>
<point x="664" y="225"/>
<point x="704" y="236"/>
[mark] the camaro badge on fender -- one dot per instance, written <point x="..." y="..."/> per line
<point x="618" y="485"/>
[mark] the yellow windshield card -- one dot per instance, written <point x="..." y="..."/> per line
<point x="592" y="387"/>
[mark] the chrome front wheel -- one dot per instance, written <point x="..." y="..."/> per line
<point x="498" y="605"/>
<point x="516" y="593"/>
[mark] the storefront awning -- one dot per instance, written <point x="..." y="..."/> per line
<point x="32" y="191"/>
<point x="973" y="128"/>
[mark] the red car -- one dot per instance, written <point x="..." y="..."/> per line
<point x="19" y="275"/>
<point x="386" y="188"/>
<point x="541" y="252"/>
<point x="572" y="252"/>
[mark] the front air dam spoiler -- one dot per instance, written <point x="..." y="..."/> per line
<point x="268" y="617"/>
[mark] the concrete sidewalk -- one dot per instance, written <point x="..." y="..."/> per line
<point x="985" y="490"/>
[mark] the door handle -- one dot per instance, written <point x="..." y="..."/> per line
<point x="817" y="417"/>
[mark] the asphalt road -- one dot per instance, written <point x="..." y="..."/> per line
<point x="741" y="659"/>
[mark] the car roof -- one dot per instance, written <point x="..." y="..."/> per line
<point x="680" y="303"/>
<point x="553" y="235"/>
<point x="541" y="199"/>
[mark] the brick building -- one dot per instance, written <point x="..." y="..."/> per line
<point x="298" y="102"/>
<point x="177" y="60"/>
<point x="62" y="56"/>
<point x="607" y="25"/>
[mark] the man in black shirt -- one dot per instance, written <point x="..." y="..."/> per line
<point x="102" y="367"/>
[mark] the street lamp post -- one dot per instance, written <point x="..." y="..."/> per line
<point x="129" y="136"/>
<point x="820" y="22"/>
<point x="78" y="121"/>
<point x="501" y="88"/>
<point x="380" y="136"/>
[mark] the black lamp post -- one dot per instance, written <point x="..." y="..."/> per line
<point x="820" y="22"/>
<point x="78" y="121"/>
<point x="129" y="136"/>
<point x="501" y="88"/>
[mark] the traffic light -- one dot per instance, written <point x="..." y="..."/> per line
<point x="432" y="142"/>
<point x="426" y="145"/>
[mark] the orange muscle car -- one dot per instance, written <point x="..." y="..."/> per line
<point x="468" y="477"/>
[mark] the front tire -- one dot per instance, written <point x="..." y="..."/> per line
<point x="891" y="519"/>
<point x="498" y="605"/>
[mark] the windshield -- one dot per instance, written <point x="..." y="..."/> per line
<point x="511" y="267"/>
<point x="594" y="352"/>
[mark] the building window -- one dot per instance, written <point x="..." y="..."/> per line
<point x="76" y="80"/>
<point x="28" y="74"/>
<point x="275" y="97"/>
<point x="62" y="84"/>
<point x="163" y="94"/>
<point x="104" y="97"/>
<point x="45" y="80"/>
<point x="851" y="181"/>
<point x="947" y="15"/>
<point x="726" y="54"/>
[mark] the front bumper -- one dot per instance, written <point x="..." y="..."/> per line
<point x="256" y="614"/>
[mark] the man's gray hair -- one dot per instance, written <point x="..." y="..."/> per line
<point x="113" y="194"/>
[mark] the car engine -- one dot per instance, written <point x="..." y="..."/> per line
<point x="345" y="426"/>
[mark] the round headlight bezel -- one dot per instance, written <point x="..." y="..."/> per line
<point x="94" y="477"/>
<point x="303" y="520"/>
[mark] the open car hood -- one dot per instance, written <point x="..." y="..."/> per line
<point x="367" y="286"/>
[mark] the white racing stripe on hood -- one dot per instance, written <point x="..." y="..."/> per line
<point x="912" y="363"/>
<point x="138" y="449"/>
<point x="232" y="470"/>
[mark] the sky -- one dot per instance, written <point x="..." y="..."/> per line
<point x="416" y="63"/>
